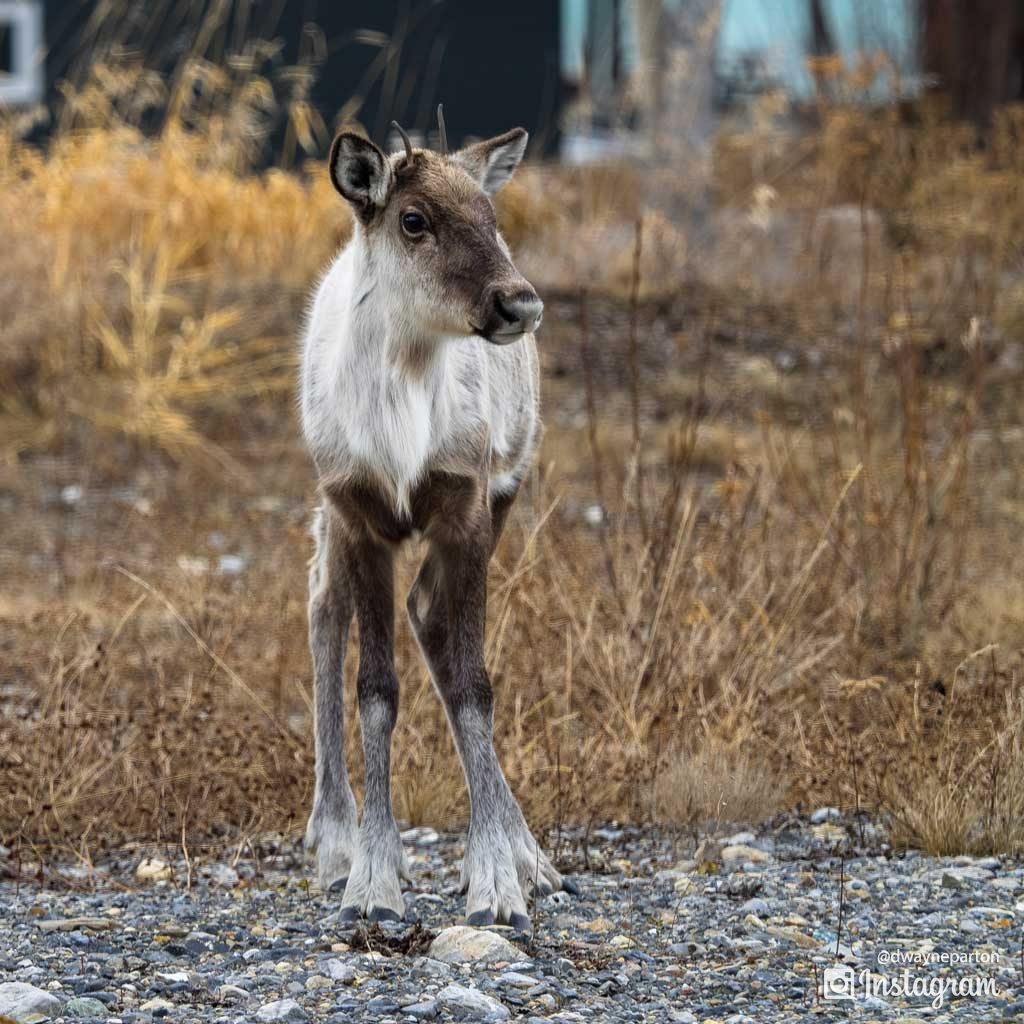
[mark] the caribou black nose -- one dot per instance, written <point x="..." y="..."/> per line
<point x="521" y="311"/>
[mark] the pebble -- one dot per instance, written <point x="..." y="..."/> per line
<point x="472" y="1003"/>
<point x="756" y="906"/>
<point x="422" y="1011"/>
<point x="157" y="1004"/>
<point x="84" y="1006"/>
<point x="281" y="1009"/>
<point x="516" y="980"/>
<point x="151" y="869"/>
<point x="742" y="854"/>
<point x="956" y="877"/>
<point x="228" y="993"/>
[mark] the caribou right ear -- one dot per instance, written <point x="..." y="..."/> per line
<point x="493" y="161"/>
<point x="360" y="172"/>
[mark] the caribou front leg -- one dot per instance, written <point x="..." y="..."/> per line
<point x="333" y="823"/>
<point x="374" y="888"/>
<point x="447" y="608"/>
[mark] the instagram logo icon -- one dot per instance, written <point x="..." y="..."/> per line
<point x="838" y="983"/>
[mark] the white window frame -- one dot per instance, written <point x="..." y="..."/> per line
<point x="24" y="84"/>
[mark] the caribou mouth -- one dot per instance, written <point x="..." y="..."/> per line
<point x="498" y="337"/>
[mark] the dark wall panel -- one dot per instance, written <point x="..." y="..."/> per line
<point x="494" y="65"/>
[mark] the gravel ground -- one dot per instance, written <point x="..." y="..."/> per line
<point x="735" y="929"/>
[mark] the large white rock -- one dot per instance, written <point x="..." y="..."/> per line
<point x="471" y="1003"/>
<point x="25" y="1003"/>
<point x="461" y="944"/>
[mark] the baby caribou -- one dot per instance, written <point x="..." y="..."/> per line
<point x="419" y="395"/>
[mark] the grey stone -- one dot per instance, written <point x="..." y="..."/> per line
<point x="956" y="877"/>
<point x="85" y="1006"/>
<point x="741" y="839"/>
<point x="756" y="906"/>
<point x="422" y="1011"/>
<point x="229" y="993"/>
<point x="282" y="1009"/>
<point x="513" y="979"/>
<point x="339" y="971"/>
<point x="471" y="1003"/>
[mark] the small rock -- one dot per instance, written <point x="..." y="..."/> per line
<point x="599" y="924"/>
<point x="224" y="875"/>
<point x="756" y="906"/>
<point x="173" y="977"/>
<point x="461" y="945"/>
<point x="282" y="1009"/>
<point x="998" y="912"/>
<point x="804" y="941"/>
<point x="516" y="980"/>
<point x="741" y="839"/>
<point x="740" y="854"/>
<point x="344" y="973"/>
<point x="823" y="814"/>
<point x="229" y="993"/>
<point x="955" y="877"/>
<point x="422" y="1011"/>
<point x="472" y="1003"/>
<point x="25" y="1003"/>
<point x="74" y="924"/>
<point x="421" y="836"/>
<point x="152" y="870"/>
<point x="84" y="1006"/>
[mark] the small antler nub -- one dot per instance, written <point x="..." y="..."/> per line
<point x="441" y="130"/>
<point x="405" y="138"/>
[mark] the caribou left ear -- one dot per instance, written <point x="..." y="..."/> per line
<point x="360" y="172"/>
<point x="494" y="161"/>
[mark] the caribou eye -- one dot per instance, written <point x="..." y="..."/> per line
<point x="413" y="223"/>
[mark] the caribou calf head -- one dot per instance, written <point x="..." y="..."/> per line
<point x="431" y="234"/>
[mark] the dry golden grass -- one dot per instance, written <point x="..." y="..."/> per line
<point x="770" y="554"/>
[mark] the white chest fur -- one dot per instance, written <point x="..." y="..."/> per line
<point x="368" y="410"/>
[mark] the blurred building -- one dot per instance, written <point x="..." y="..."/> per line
<point x="22" y="78"/>
<point x="588" y="78"/>
<point x="639" y="71"/>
